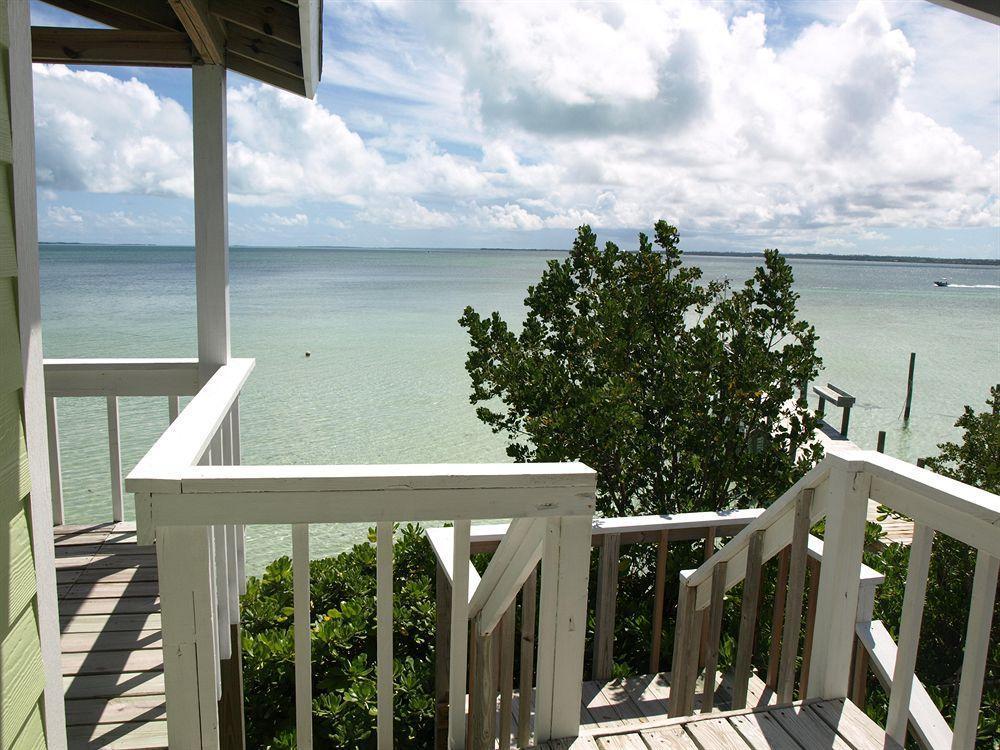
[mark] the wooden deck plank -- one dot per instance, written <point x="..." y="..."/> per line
<point x="622" y="742"/>
<point x="114" y="590"/>
<point x="107" y="575"/>
<point x="109" y="623"/>
<point x="717" y="734"/>
<point x="669" y="738"/>
<point x="808" y="729"/>
<point x="117" y="560"/>
<point x="763" y="732"/>
<point x="853" y="725"/>
<point x="123" y="640"/>
<point x="113" y="662"/>
<point x="129" y="736"/>
<point x="618" y="698"/>
<point x="602" y="712"/>
<point x="650" y="694"/>
<point x="131" y="605"/>
<point x="92" y="711"/>
<point x="113" y="685"/>
<point x="95" y="537"/>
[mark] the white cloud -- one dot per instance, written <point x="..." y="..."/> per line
<point x="64" y="215"/>
<point x="529" y="117"/>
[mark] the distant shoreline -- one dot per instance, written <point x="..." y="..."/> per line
<point x="692" y="253"/>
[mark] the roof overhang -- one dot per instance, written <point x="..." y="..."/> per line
<point x="275" y="41"/>
<point x="985" y="10"/>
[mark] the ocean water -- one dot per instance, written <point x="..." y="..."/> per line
<point x="386" y="383"/>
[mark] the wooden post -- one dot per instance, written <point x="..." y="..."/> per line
<point x="793" y="600"/>
<point x="190" y="658"/>
<point x="55" y="464"/>
<point x="814" y="571"/>
<point x="836" y="603"/>
<point x="658" y="594"/>
<point x="459" y="634"/>
<point x="211" y="216"/>
<point x="563" y="626"/>
<point x="115" y="456"/>
<point x="483" y="698"/>
<point x="880" y="446"/>
<point x="748" y="620"/>
<point x="442" y="649"/>
<point x="700" y="615"/>
<point x="714" y="620"/>
<point x="383" y="634"/>
<point x="302" y="629"/>
<point x="505" y="676"/>
<point x="231" y="721"/>
<point x="909" y="387"/>
<point x="778" y="618"/>
<point x="604" y="615"/>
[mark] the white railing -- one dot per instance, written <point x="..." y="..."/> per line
<point x="111" y="379"/>
<point x="838" y="490"/>
<point x="183" y="499"/>
<point x="608" y="535"/>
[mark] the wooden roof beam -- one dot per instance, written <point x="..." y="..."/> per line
<point x="54" y="44"/>
<point x="276" y="19"/>
<point x="123" y="14"/>
<point x="207" y="35"/>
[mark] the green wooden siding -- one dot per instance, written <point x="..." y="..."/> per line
<point x="22" y="680"/>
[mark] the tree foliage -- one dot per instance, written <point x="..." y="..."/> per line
<point x="682" y="394"/>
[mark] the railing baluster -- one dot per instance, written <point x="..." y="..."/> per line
<point x="302" y="629"/>
<point x="55" y="463"/>
<point x="814" y="573"/>
<point x="383" y="632"/>
<point x="232" y="554"/>
<point x="699" y="615"/>
<point x="714" y="633"/>
<point x="483" y="699"/>
<point x="506" y="677"/>
<point x="234" y="433"/>
<point x="526" y="680"/>
<point x="793" y="601"/>
<point x="748" y="620"/>
<point x="909" y="632"/>
<point x="607" y="595"/>
<point x="977" y="644"/>
<point x="442" y="656"/>
<point x="115" y="452"/>
<point x="778" y="618"/>
<point x="656" y="636"/>
<point x="225" y="616"/>
<point x="459" y="634"/>
<point x="173" y="407"/>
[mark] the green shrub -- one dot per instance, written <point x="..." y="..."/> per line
<point x="343" y="648"/>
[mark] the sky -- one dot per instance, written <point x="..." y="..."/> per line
<point x="812" y="126"/>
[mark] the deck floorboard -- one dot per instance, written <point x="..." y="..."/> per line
<point x="112" y="647"/>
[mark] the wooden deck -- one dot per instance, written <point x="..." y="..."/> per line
<point x="808" y="725"/>
<point x="112" y="657"/>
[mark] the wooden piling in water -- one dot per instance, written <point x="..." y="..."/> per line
<point x="880" y="447"/>
<point x="909" y="387"/>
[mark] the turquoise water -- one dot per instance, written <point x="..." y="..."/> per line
<point x="386" y="381"/>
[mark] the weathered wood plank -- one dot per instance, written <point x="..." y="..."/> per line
<point x="669" y="738"/>
<point x="621" y="742"/>
<point x="711" y="648"/>
<point x="120" y="640"/>
<point x="649" y="693"/>
<point x="132" y="605"/>
<point x="129" y="736"/>
<point x="717" y="734"/>
<point x="122" y="590"/>
<point x="526" y="678"/>
<point x="110" y="47"/>
<point x="604" y="616"/>
<point x="601" y="710"/>
<point x="112" y="662"/>
<point x="778" y="618"/>
<point x="793" y="601"/>
<point x="748" y="620"/>
<point x="853" y="725"/>
<point x="93" y="711"/>
<point x="808" y="729"/>
<point x="659" y="586"/>
<point x="109" y="623"/>
<point x="113" y="685"/>
<point x="762" y="732"/>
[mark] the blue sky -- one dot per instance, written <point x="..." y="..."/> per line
<point x="827" y="126"/>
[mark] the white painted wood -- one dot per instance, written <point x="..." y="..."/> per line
<point x="302" y="631"/>
<point x="115" y="455"/>
<point x="211" y="217"/>
<point x="234" y="432"/>
<point x="443" y="544"/>
<point x="219" y="565"/>
<point x="909" y="632"/>
<point x="837" y="597"/>
<point x="925" y="719"/>
<point x="55" y="461"/>
<point x="410" y="477"/>
<point x="562" y="627"/>
<point x="173" y="408"/>
<point x="187" y="439"/>
<point x="121" y="377"/>
<point x="252" y="507"/>
<point x="977" y="644"/>
<point x="190" y="659"/>
<point x="310" y="28"/>
<point x="512" y="576"/>
<point x="459" y="649"/>
<point x="21" y="104"/>
<point x="383" y="616"/>
<point x="232" y="553"/>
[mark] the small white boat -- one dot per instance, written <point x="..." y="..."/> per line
<point x="941" y="282"/>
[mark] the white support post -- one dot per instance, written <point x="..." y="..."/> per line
<point x="302" y="627"/>
<point x="383" y="599"/>
<point x="190" y="658"/>
<point x="909" y="633"/>
<point x="562" y="627"/>
<point x="837" y="598"/>
<point x="977" y="646"/>
<point x="115" y="454"/>
<point x="55" y="462"/>
<point x="459" y="649"/>
<point x="211" y="216"/>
